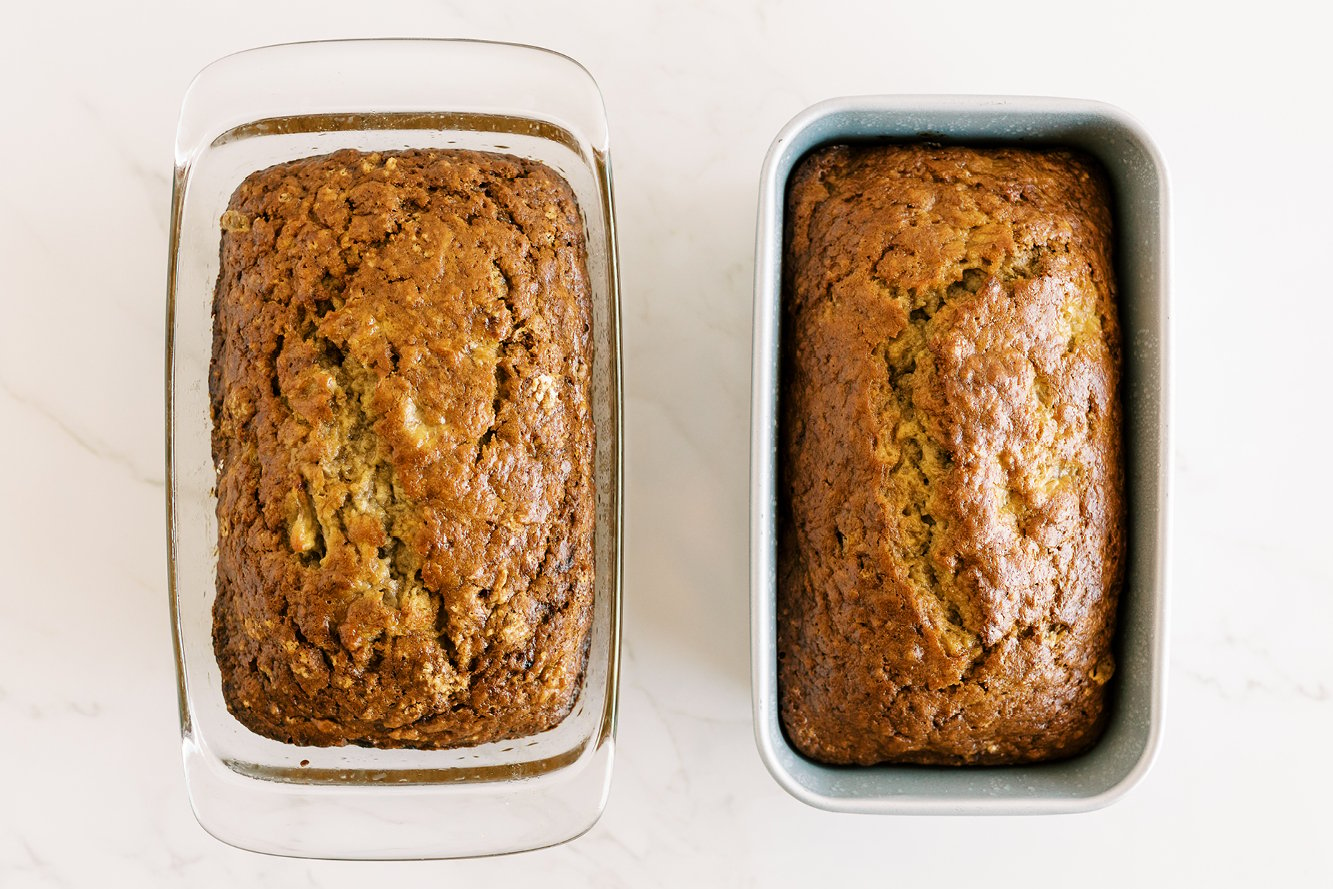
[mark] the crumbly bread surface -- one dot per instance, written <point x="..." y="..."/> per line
<point x="404" y="448"/>
<point x="951" y="530"/>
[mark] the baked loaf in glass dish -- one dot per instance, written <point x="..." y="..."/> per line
<point x="404" y="447"/>
<point x="951" y="520"/>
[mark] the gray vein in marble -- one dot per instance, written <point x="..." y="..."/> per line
<point x="1319" y="693"/>
<point x="150" y="588"/>
<point x="629" y="678"/>
<point x="178" y="864"/>
<point x="39" y="864"/>
<point x="92" y="709"/>
<point x="680" y="776"/>
<point x="682" y="429"/>
<point x="12" y="212"/>
<point x="742" y="719"/>
<point x="97" y="449"/>
<point x="1314" y="690"/>
<point x="1281" y="558"/>
<point x="155" y="184"/>
<point x="597" y="871"/>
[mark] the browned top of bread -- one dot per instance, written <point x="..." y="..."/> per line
<point x="951" y="528"/>
<point x="403" y="440"/>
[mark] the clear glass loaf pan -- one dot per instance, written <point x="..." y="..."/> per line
<point x="1138" y="176"/>
<point x="265" y="106"/>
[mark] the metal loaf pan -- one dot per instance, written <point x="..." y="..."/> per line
<point x="1138" y="176"/>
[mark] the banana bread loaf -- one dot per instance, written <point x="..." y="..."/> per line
<point x="951" y="530"/>
<point x="403" y="443"/>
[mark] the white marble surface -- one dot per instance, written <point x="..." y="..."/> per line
<point x="92" y="791"/>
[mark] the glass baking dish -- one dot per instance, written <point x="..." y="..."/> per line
<point x="265" y="106"/>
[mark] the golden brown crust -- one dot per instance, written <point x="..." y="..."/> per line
<point x="951" y="527"/>
<point x="404" y="445"/>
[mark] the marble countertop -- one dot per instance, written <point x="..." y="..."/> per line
<point x="93" y="789"/>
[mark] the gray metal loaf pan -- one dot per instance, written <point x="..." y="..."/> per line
<point x="1126" y="751"/>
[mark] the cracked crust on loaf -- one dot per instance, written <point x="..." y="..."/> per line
<point x="404" y="447"/>
<point x="951" y="530"/>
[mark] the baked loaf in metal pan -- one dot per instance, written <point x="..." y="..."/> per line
<point x="951" y="525"/>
